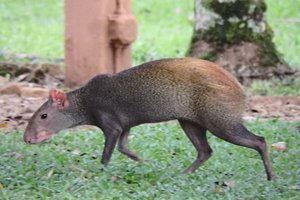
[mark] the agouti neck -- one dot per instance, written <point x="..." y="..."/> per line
<point x="78" y="107"/>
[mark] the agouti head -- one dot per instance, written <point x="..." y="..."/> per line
<point x="51" y="117"/>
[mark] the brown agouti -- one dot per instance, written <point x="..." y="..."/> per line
<point x="197" y="93"/>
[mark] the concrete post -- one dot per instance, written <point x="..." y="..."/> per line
<point x="98" y="34"/>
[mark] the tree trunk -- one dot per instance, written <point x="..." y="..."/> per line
<point x="235" y="34"/>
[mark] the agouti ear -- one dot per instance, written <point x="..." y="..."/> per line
<point x="58" y="98"/>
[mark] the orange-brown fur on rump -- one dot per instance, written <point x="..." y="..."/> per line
<point x="209" y="89"/>
<point x="197" y="72"/>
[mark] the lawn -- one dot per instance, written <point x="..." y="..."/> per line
<point x="32" y="27"/>
<point x="165" y="29"/>
<point x="68" y="166"/>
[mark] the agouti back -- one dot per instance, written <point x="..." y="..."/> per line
<point x="197" y="93"/>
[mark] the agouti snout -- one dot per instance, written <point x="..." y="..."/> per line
<point x="199" y="94"/>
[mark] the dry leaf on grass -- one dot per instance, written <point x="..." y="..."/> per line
<point x="230" y="183"/>
<point x="294" y="187"/>
<point x="279" y="146"/>
<point x="3" y="125"/>
<point x="115" y="178"/>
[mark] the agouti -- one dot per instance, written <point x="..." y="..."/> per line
<point x="199" y="94"/>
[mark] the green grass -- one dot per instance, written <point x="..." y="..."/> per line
<point x="36" y="27"/>
<point x="280" y="15"/>
<point x="165" y="29"/>
<point x="32" y="27"/>
<point x="275" y="87"/>
<point x="68" y="167"/>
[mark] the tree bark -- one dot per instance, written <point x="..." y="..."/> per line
<point x="236" y="35"/>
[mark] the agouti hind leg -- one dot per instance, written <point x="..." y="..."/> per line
<point x="122" y="146"/>
<point x="197" y="136"/>
<point x="239" y="135"/>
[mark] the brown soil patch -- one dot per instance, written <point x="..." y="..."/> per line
<point x="243" y="60"/>
<point x="281" y="107"/>
<point x="20" y="98"/>
<point x="15" y="111"/>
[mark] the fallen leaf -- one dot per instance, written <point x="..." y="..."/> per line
<point x="115" y="178"/>
<point x="50" y="173"/>
<point x="34" y="92"/>
<point x="19" y="156"/>
<point x="3" y="80"/>
<point x="11" y="88"/>
<point x="217" y="189"/>
<point x="75" y="168"/>
<point x="279" y="146"/>
<point x="3" y="125"/>
<point x="76" y="152"/>
<point x="1" y="186"/>
<point x="294" y="187"/>
<point x="18" y="117"/>
<point x="230" y="183"/>
<point x="22" y="77"/>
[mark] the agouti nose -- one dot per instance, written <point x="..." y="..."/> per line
<point x="27" y="140"/>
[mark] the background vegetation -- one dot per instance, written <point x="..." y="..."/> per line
<point x="165" y="29"/>
<point x="68" y="166"/>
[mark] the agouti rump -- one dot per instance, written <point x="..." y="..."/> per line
<point x="197" y="93"/>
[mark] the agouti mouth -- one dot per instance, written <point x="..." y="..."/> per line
<point x="39" y="138"/>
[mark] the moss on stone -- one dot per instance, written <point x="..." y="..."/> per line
<point x="239" y="8"/>
<point x="211" y="55"/>
<point x="236" y="27"/>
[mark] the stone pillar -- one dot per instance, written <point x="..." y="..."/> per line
<point x="98" y="34"/>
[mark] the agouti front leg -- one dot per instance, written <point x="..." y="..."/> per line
<point x="122" y="146"/>
<point x="112" y="131"/>
<point x="111" y="139"/>
<point x="197" y="136"/>
<point x="238" y="134"/>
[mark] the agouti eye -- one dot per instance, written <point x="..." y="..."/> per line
<point x="44" y="116"/>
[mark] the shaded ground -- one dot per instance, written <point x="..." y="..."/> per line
<point x="20" y="98"/>
<point x="281" y="107"/>
<point x="15" y="110"/>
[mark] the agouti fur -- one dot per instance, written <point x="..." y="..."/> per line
<point x="197" y="93"/>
